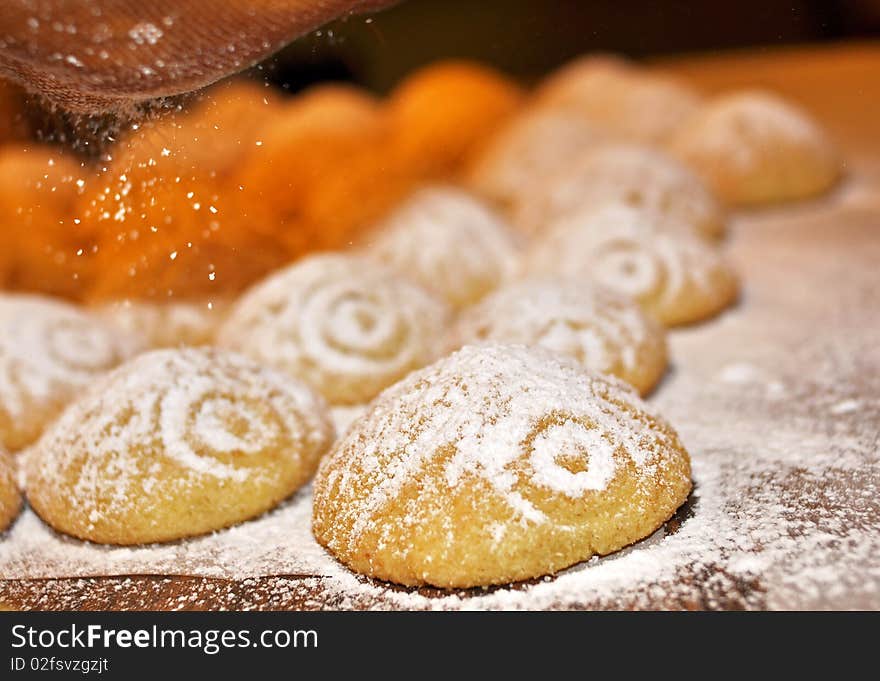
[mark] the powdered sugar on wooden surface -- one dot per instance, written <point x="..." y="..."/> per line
<point x="786" y="510"/>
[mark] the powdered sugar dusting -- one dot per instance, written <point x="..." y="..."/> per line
<point x="564" y="440"/>
<point x="616" y="246"/>
<point x="209" y="412"/>
<point x="449" y="242"/>
<point x="784" y="514"/>
<point x="488" y="408"/>
<point x="48" y="351"/>
<point x="670" y="195"/>
<point x="604" y="331"/>
<point x="742" y="127"/>
<point x="332" y="319"/>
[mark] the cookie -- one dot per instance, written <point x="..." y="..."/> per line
<point x="754" y="147"/>
<point x="444" y="113"/>
<point x="677" y="278"/>
<point x="43" y="248"/>
<point x="531" y="147"/>
<point x="604" y="331"/>
<point x="496" y="464"/>
<point x="628" y="102"/>
<point x="10" y="497"/>
<point x="638" y="176"/>
<point x="166" y="325"/>
<point x="49" y="352"/>
<point x="347" y="326"/>
<point x="174" y="444"/>
<point x="449" y="242"/>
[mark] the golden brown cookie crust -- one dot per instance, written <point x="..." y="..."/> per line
<point x="754" y="147"/>
<point x="641" y="177"/>
<point x="10" y="497"/>
<point x="447" y="241"/>
<point x="602" y="330"/>
<point x="496" y="464"/>
<point x="347" y="326"/>
<point x="49" y="352"/>
<point x="174" y="444"/>
<point x="677" y="278"/>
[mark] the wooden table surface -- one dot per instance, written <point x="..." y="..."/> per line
<point x="840" y="84"/>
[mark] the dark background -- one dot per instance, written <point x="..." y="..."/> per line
<point x="526" y="38"/>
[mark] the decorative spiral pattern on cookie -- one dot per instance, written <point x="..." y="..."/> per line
<point x="176" y="443"/>
<point x="677" y="278"/>
<point x="166" y="325"/>
<point x="537" y="143"/>
<point x="48" y="352"/>
<point x="640" y="177"/>
<point x="628" y="102"/>
<point x="755" y="147"/>
<point x="10" y="497"/>
<point x="497" y="463"/>
<point x="449" y="242"/>
<point x="347" y="326"/>
<point x="602" y="330"/>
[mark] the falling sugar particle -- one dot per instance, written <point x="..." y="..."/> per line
<point x="173" y="255"/>
<point x="846" y="407"/>
<point x="145" y="33"/>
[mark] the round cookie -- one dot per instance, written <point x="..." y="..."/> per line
<point x="10" y="497"/>
<point x="447" y="241"/>
<point x="628" y="102"/>
<point x="496" y="464"/>
<point x="537" y="143"/>
<point x="443" y="113"/>
<point x="638" y="176"/>
<point x="166" y="325"/>
<point x="347" y="326"/>
<point x="754" y="147"/>
<point x="677" y="278"/>
<point x="49" y="351"/>
<point x="604" y="331"/>
<point x="173" y="444"/>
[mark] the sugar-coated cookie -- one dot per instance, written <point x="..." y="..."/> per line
<point x="534" y="145"/>
<point x="604" y="331"/>
<point x="449" y="242"/>
<point x="173" y="444"/>
<point x="10" y="497"/>
<point x="49" y="352"/>
<point x="754" y="147"/>
<point x="677" y="278"/>
<point x="346" y="325"/>
<point x="638" y="176"/>
<point x="496" y="464"/>
<point x="166" y="324"/>
<point x="628" y="102"/>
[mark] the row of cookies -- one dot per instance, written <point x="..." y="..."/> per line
<point x="168" y="210"/>
<point x="496" y="463"/>
<point x="179" y="442"/>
